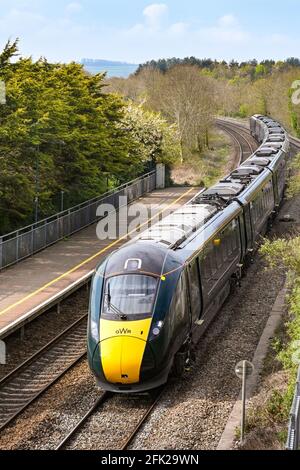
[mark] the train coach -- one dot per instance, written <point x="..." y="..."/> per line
<point x="152" y="299"/>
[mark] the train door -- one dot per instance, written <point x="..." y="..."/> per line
<point x="195" y="290"/>
<point x="242" y="233"/>
<point x="248" y="227"/>
<point x="275" y="186"/>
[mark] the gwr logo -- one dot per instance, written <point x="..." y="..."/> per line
<point x="123" y="331"/>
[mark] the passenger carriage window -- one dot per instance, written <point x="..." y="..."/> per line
<point x="194" y="289"/>
<point x="228" y="242"/>
<point x="208" y="264"/>
<point x="234" y="239"/>
<point x="208" y="269"/>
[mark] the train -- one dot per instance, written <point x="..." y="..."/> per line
<point x="152" y="299"/>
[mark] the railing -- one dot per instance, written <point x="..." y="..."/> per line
<point x="23" y="243"/>
<point x="293" y="442"/>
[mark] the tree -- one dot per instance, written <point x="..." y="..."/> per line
<point x="186" y="98"/>
<point x="60" y="130"/>
<point x="155" y="140"/>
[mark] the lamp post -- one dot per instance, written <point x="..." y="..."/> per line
<point x="37" y="185"/>
<point x="62" y="193"/>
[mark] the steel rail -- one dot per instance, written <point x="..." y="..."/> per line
<point x="143" y="419"/>
<point x="100" y="401"/>
<point x="94" y="408"/>
<point x="251" y="148"/>
<point x="294" y="140"/>
<point x="241" y="142"/>
<point x="27" y="382"/>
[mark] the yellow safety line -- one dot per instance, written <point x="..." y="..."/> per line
<point x="29" y="296"/>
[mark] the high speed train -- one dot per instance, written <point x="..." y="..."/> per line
<point x="152" y="299"/>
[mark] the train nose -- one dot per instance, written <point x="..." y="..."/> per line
<point x="122" y="348"/>
<point x="122" y="358"/>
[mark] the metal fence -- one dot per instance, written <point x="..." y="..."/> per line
<point x="23" y="243"/>
<point x="293" y="442"/>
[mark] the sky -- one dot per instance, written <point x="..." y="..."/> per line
<point x="137" y="30"/>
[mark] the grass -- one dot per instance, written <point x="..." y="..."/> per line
<point x="268" y="414"/>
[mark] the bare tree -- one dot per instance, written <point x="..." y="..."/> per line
<point x="186" y="97"/>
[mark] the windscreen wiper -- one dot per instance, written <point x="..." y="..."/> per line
<point x="112" y="307"/>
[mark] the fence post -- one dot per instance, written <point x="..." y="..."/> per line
<point x="32" y="240"/>
<point x="17" y="247"/>
<point x="1" y="253"/>
<point x="293" y="441"/>
<point x="160" y="176"/>
<point x="45" y="234"/>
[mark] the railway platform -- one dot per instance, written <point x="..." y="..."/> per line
<point x="40" y="282"/>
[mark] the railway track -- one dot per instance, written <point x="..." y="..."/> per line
<point x="295" y="142"/>
<point x="245" y="143"/>
<point x="21" y="387"/>
<point x="104" y="398"/>
<point x="237" y="125"/>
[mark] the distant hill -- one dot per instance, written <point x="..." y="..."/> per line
<point x="111" y="67"/>
<point x="101" y="62"/>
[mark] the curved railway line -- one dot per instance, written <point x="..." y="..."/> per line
<point x="235" y="126"/>
<point x="241" y="137"/>
<point x="25" y="384"/>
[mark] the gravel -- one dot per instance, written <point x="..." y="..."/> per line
<point x="49" y="419"/>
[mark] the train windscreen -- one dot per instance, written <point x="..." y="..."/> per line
<point x="129" y="295"/>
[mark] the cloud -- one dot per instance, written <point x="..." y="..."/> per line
<point x="227" y="29"/>
<point x="155" y="15"/>
<point x="178" y="28"/>
<point x="74" y="7"/>
<point x="228" y="21"/>
<point x="18" y="22"/>
<point x="64" y="35"/>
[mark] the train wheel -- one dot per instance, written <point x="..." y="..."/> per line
<point x="182" y="360"/>
<point x="179" y="364"/>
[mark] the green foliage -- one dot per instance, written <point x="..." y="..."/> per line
<point x="153" y="138"/>
<point x="60" y="130"/>
<point x="10" y="50"/>
<point x="260" y="71"/>
<point x="252" y="68"/>
<point x="285" y="254"/>
<point x="294" y="181"/>
<point x="243" y="111"/>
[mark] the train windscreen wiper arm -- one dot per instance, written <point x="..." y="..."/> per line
<point x="112" y="307"/>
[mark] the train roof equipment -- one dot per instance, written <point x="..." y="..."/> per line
<point x="178" y="227"/>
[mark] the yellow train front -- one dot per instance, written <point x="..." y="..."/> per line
<point x="133" y="331"/>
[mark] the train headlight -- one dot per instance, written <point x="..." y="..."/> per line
<point x="156" y="329"/>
